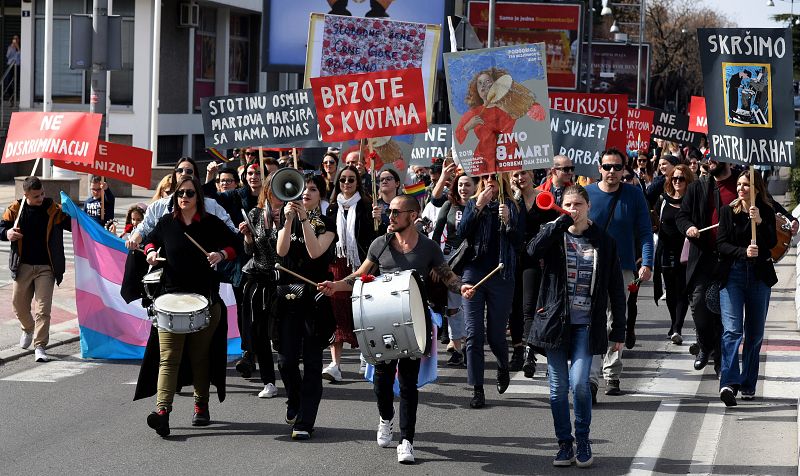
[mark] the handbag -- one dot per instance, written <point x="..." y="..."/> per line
<point x="460" y="257"/>
<point x="685" y="251"/>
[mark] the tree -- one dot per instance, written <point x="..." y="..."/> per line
<point x="790" y="20"/>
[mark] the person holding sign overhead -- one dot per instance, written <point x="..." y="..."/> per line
<point x="100" y="206"/>
<point x="37" y="223"/>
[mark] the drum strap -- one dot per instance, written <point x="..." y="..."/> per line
<point x="389" y="237"/>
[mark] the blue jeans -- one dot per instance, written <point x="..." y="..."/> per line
<point x="576" y="376"/>
<point x="495" y="296"/>
<point x="744" y="302"/>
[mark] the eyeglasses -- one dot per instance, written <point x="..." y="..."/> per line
<point x="678" y="179"/>
<point x="347" y="180"/>
<point x="393" y="212"/>
<point x="225" y="180"/>
<point x="188" y="193"/>
<point x="387" y="179"/>
<point x="565" y="169"/>
<point x="609" y="167"/>
<point x="184" y="170"/>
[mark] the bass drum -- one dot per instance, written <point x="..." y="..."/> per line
<point x="784" y="230"/>
<point x="390" y="317"/>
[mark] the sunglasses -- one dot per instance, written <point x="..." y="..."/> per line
<point x="387" y="179"/>
<point x="641" y="160"/>
<point x="347" y="180"/>
<point x="329" y="162"/>
<point x="679" y="178"/>
<point x="489" y="177"/>
<point x="188" y="193"/>
<point x="609" y="167"/>
<point x="565" y="169"/>
<point x="184" y="170"/>
<point x="393" y="212"/>
<point x="252" y="154"/>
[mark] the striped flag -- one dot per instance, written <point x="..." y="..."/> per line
<point x="110" y="328"/>
<point x="217" y="154"/>
<point x="415" y="190"/>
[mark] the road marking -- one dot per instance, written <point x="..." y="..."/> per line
<point x="782" y="367"/>
<point x="53" y="371"/>
<point x="674" y="375"/>
<point x="705" y="450"/>
<point x="644" y="462"/>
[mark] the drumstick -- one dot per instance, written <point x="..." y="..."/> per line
<point x="195" y="243"/>
<point x="708" y="228"/>
<point x="298" y="276"/>
<point x="22" y="204"/>
<point x="498" y="268"/>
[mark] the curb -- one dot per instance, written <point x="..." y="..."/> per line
<point x="56" y="339"/>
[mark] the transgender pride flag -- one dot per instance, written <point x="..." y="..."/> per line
<point x="110" y="328"/>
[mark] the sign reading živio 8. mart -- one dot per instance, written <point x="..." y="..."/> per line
<point x="285" y="118"/>
<point x="748" y="89"/>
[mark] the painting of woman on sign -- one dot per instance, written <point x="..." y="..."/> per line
<point x="495" y="103"/>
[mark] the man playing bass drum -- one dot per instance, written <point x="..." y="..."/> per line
<point x="409" y="250"/>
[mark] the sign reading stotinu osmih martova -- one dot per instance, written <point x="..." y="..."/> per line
<point x="581" y="138"/>
<point x="434" y="144"/>
<point x="748" y="89"/>
<point x="673" y="128"/>
<point x="285" y="118"/>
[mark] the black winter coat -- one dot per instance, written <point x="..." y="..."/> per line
<point x="694" y="212"/>
<point x="551" y="322"/>
<point x="734" y="237"/>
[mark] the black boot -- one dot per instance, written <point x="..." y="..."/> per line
<point x="478" y="397"/>
<point x="340" y="8"/>
<point x="517" y="359"/>
<point x="529" y="367"/>
<point x="245" y="365"/>
<point x="159" y="421"/>
<point x="503" y="379"/>
<point x="701" y="361"/>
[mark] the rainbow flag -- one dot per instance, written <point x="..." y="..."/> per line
<point x="110" y="328"/>
<point x="217" y="154"/>
<point x="416" y="190"/>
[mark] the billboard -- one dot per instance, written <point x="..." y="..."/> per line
<point x="285" y="25"/>
<point x="614" y="69"/>
<point x="559" y="26"/>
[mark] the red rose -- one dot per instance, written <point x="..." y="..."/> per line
<point x="367" y="278"/>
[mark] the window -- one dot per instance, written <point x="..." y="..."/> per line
<point x="72" y="86"/>
<point x="170" y="148"/>
<point x="239" y="55"/>
<point x="205" y="56"/>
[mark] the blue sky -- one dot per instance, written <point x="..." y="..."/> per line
<point x="753" y="13"/>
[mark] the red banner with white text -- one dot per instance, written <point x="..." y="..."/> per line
<point x="52" y="135"/>
<point x="119" y="162"/>
<point x="698" y="120"/>
<point x="640" y="124"/>
<point x="612" y="106"/>
<point x="379" y="104"/>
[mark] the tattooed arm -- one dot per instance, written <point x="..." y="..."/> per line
<point x="443" y="273"/>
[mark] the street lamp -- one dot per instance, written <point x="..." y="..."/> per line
<point x="614" y="27"/>
<point x="770" y="3"/>
<point x="606" y="9"/>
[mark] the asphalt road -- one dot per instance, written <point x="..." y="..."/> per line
<point x="77" y="417"/>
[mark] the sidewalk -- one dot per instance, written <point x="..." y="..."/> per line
<point x="64" y="317"/>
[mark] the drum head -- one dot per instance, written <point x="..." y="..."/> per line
<point x="419" y="314"/>
<point x="185" y="302"/>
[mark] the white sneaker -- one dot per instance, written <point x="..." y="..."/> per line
<point x="268" y="392"/>
<point x="363" y="368"/>
<point x="405" y="452"/>
<point x="385" y="428"/>
<point x="25" y="339"/>
<point x="40" y="354"/>
<point x="332" y="373"/>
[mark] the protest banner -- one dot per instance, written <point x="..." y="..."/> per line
<point x="559" y="27"/>
<point x="612" y="106"/>
<point x="498" y="99"/>
<point x="117" y="161"/>
<point x="57" y="136"/>
<point x="434" y="144"/>
<point x="639" y="126"/>
<point x="284" y="118"/>
<point x="698" y="121"/>
<point x="340" y="45"/>
<point x="747" y="79"/>
<point x="673" y="127"/>
<point x="581" y="138"/>
<point x="359" y="106"/>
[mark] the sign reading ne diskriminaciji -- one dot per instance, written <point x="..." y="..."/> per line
<point x="59" y="136"/>
<point x="747" y="79"/>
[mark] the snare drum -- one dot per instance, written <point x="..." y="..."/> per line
<point x="181" y="313"/>
<point x="391" y="318"/>
<point x="152" y="283"/>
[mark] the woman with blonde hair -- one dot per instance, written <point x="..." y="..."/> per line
<point x="163" y="189"/>
<point x="493" y="226"/>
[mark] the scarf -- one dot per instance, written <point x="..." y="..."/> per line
<point x="347" y="246"/>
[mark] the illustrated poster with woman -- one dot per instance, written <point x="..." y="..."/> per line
<point x="499" y="108"/>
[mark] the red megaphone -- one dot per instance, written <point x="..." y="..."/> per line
<point x="546" y="201"/>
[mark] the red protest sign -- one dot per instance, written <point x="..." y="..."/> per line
<point x="360" y="106"/>
<point x="698" y="120"/>
<point x="612" y="106"/>
<point x="52" y="135"/>
<point x="120" y="162"/>
<point x="640" y="123"/>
